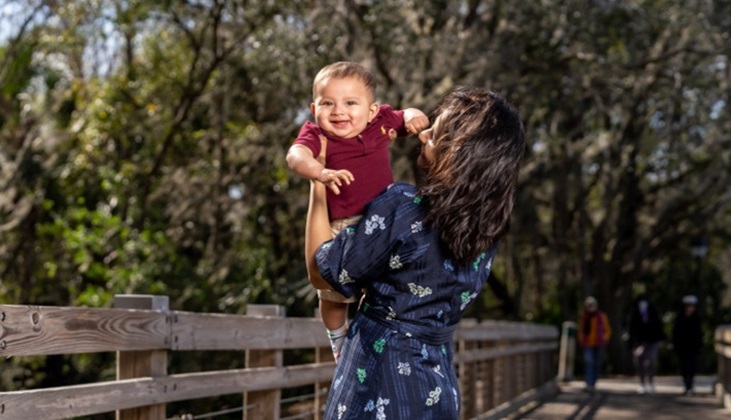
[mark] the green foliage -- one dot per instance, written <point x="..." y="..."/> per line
<point x="143" y="146"/>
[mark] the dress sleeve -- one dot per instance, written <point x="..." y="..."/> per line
<point x="362" y="252"/>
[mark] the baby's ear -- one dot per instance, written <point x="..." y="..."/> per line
<point x="372" y="111"/>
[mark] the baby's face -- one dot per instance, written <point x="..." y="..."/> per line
<point x="343" y="107"/>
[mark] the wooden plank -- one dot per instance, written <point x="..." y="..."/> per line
<point x="502" y="351"/>
<point x="45" y="330"/>
<point x="487" y="333"/>
<point x="504" y="410"/>
<point x="83" y="400"/>
<point x="192" y="331"/>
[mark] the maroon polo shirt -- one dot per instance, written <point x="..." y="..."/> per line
<point x="366" y="156"/>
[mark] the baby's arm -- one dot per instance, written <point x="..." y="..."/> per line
<point x="415" y="120"/>
<point x="301" y="161"/>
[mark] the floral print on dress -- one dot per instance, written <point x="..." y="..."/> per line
<point x="391" y="314"/>
<point x="378" y="406"/>
<point x="417" y="200"/>
<point x="438" y="370"/>
<point x="466" y="299"/>
<point x="417" y="227"/>
<point x="434" y="396"/>
<point x="476" y="264"/>
<point x="448" y="265"/>
<point x="341" y="410"/>
<point x="378" y="345"/>
<point x="404" y="368"/>
<point x="344" y="278"/>
<point x="361" y="373"/>
<point x="395" y="262"/>
<point x="456" y="399"/>
<point x="375" y="222"/>
<point x="424" y="353"/>
<point x="337" y="382"/>
<point x="418" y="290"/>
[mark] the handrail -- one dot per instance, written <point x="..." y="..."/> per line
<point x="487" y="351"/>
<point x="723" y="353"/>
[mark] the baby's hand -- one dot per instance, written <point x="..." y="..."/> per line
<point x="334" y="179"/>
<point x="331" y="178"/>
<point x="416" y="124"/>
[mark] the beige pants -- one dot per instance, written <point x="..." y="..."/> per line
<point x="336" y="226"/>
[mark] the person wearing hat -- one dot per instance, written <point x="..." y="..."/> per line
<point x="688" y="340"/>
<point x="594" y="332"/>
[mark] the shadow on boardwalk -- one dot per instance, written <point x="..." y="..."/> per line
<point x="619" y="399"/>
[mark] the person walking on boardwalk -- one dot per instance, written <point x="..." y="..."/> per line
<point x="594" y="333"/>
<point x="688" y="340"/>
<point x="646" y="333"/>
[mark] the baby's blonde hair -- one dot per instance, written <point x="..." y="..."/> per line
<point x="342" y="70"/>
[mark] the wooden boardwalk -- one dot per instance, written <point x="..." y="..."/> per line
<point x="618" y="398"/>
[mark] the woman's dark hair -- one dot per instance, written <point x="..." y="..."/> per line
<point x="478" y="143"/>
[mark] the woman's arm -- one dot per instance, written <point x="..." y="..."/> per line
<point x="317" y="229"/>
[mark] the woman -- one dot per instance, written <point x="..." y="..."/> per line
<point x="422" y="255"/>
<point x="646" y="333"/>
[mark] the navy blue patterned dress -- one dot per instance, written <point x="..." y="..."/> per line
<point x="396" y="362"/>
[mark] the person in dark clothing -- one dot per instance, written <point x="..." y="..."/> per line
<point x="646" y="333"/>
<point x="688" y="341"/>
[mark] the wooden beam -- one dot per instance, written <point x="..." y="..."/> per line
<point x="83" y="400"/>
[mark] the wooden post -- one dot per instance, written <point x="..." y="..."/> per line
<point x="263" y="405"/>
<point x="510" y="375"/>
<point x="136" y="364"/>
<point x="567" y="352"/>
<point x="467" y="381"/>
<point x="490" y="385"/>
<point x="480" y="383"/>
<point x="501" y="381"/>
<point x="322" y="355"/>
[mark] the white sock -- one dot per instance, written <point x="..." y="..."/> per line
<point x="337" y="338"/>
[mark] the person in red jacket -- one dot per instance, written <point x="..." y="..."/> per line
<point x="594" y="332"/>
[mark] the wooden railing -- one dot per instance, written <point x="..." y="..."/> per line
<point x="723" y="352"/>
<point x="501" y="364"/>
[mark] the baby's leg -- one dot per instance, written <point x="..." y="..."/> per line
<point x="334" y="314"/>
